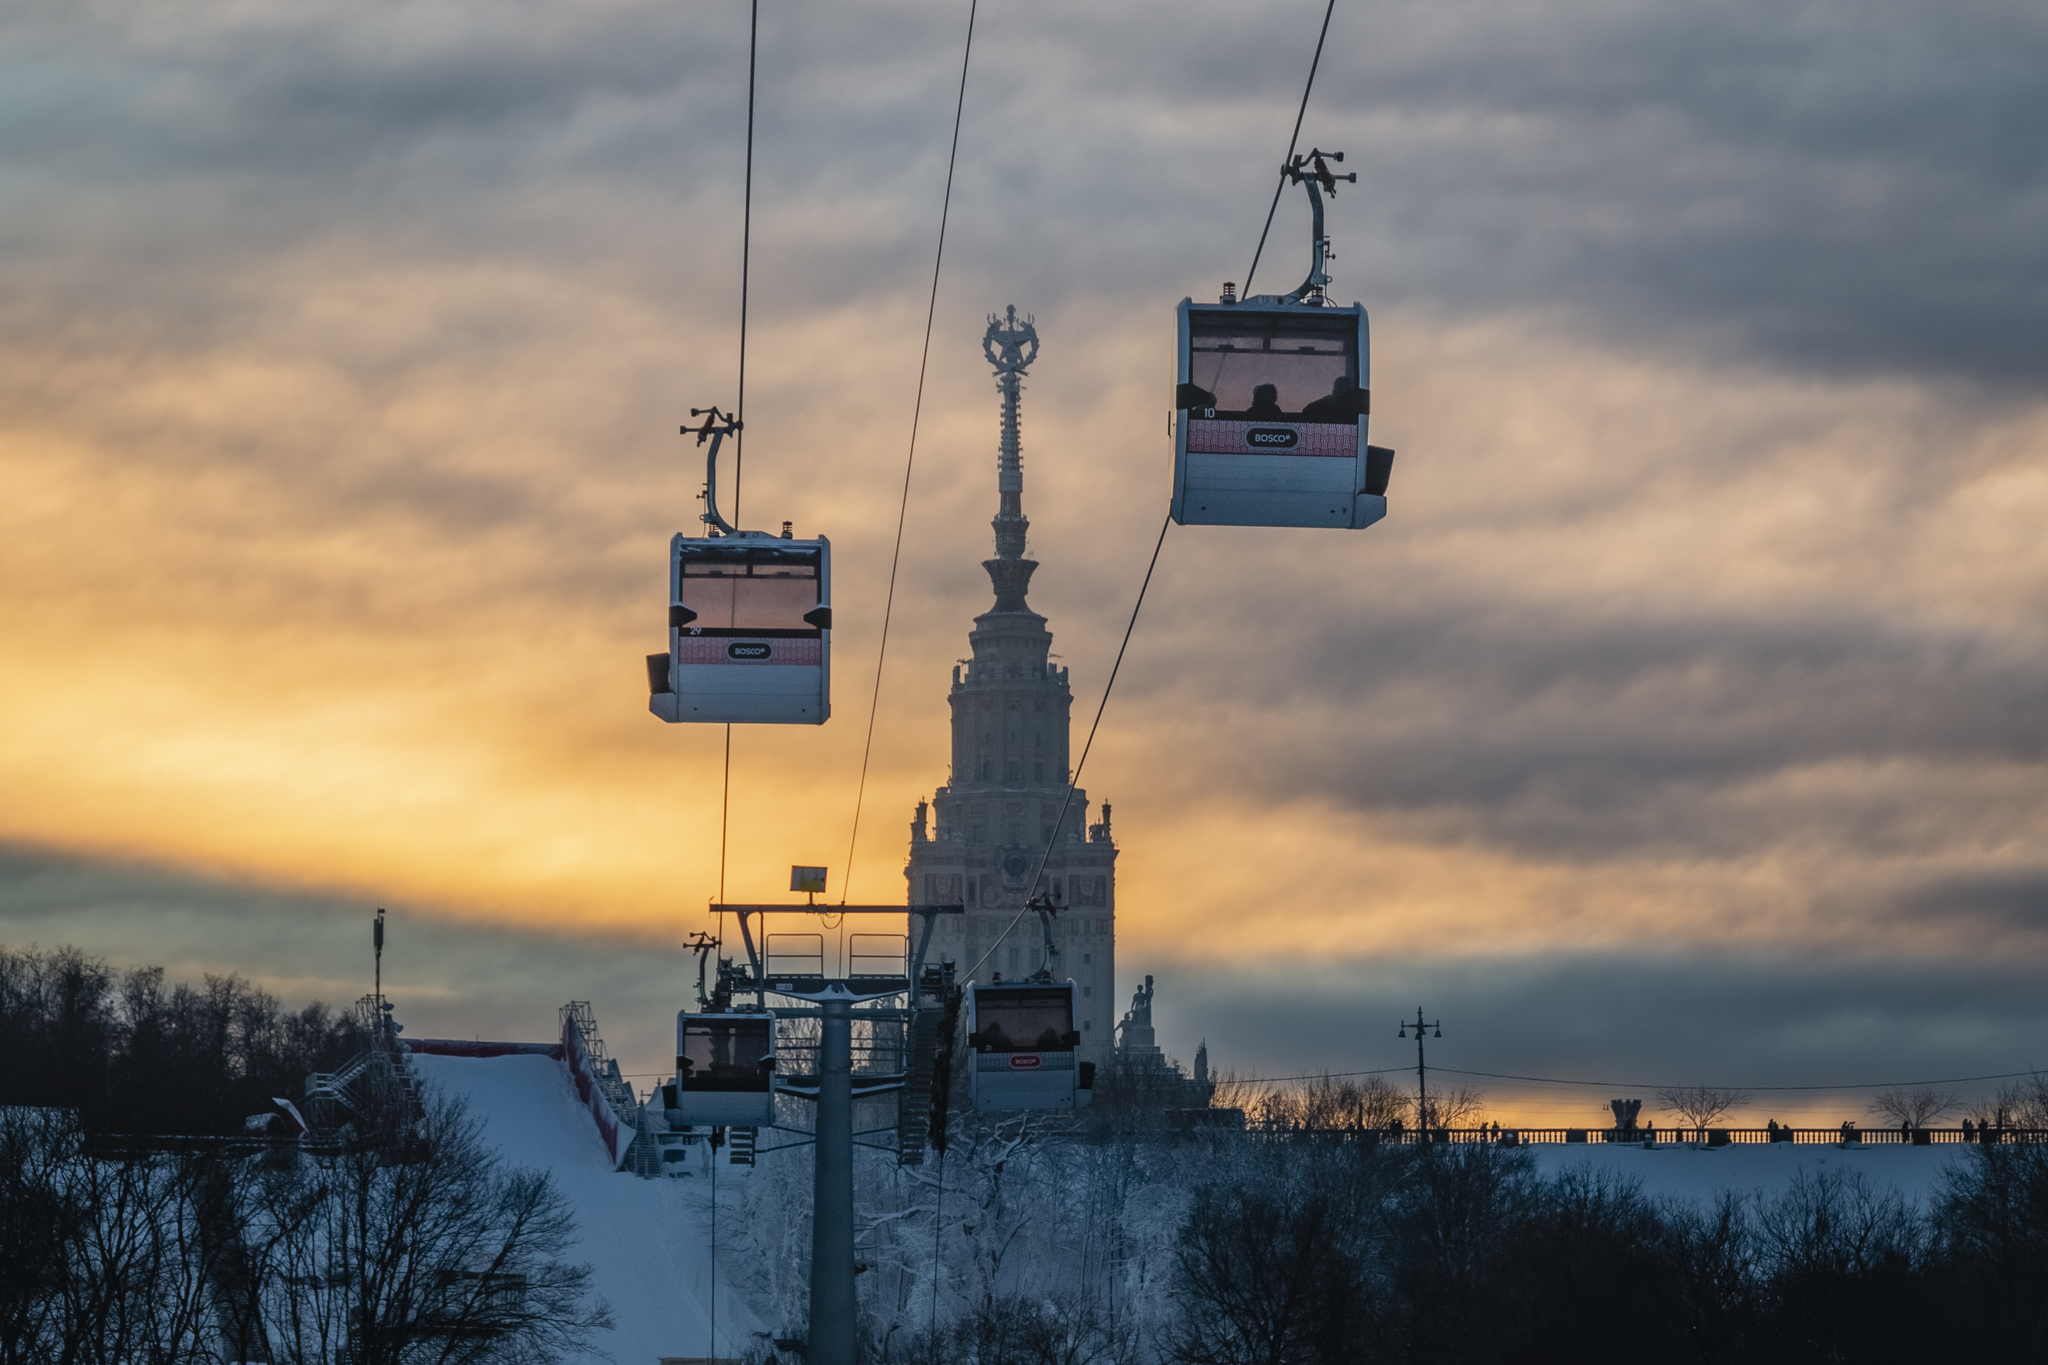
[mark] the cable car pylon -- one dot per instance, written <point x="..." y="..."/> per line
<point x="729" y="1072"/>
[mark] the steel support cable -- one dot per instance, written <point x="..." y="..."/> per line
<point x="713" y="1148"/>
<point x="739" y="437"/>
<point x="739" y="434"/>
<point x="1645" y="1085"/>
<point x="910" y="459"/>
<point x="1059" y="824"/>
<point x="1292" y="143"/>
<point x="1625" y="1085"/>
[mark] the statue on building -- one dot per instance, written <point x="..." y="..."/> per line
<point x="1136" y="1040"/>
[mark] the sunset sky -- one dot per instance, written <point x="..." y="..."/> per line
<point x="1686" y="719"/>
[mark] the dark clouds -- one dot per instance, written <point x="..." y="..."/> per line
<point x="447" y="979"/>
<point x="1586" y="738"/>
<point x="1841" y="188"/>
<point x="1634" y="1018"/>
<point x="2013" y="900"/>
<point x="1637" y="1020"/>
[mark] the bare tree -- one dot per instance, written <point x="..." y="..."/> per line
<point x="1328" y="1104"/>
<point x="1268" y="1278"/>
<point x="100" y="1258"/>
<point x="1232" y="1093"/>
<point x="1914" y="1108"/>
<point x="1700" y="1105"/>
<point x="1458" y="1107"/>
<point x="421" y="1251"/>
<point x="2021" y="1105"/>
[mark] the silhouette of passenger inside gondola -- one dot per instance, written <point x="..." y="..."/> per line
<point x="1049" y="1040"/>
<point x="1343" y="403"/>
<point x="993" y="1038"/>
<point x="1265" y="402"/>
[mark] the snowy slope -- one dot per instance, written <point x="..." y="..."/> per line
<point x="1701" y="1173"/>
<point x="645" y="1240"/>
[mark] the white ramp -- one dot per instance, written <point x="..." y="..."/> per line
<point x="647" y="1242"/>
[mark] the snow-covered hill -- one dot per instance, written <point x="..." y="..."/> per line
<point x="647" y="1241"/>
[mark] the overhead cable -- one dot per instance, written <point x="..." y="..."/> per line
<point x="739" y="438"/>
<point x="910" y="459"/>
<point x="1059" y="824"/>
<point x="1626" y="1085"/>
<point x="1648" y="1085"/>
<point x="739" y="435"/>
<point x="1292" y="142"/>
<point x="740" y="410"/>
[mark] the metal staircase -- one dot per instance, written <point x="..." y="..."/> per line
<point x="376" y="1086"/>
<point x="740" y="1145"/>
<point x="914" y="1100"/>
<point x="934" y="1014"/>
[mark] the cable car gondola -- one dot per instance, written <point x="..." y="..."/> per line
<point x="725" y="1070"/>
<point x="749" y="617"/>
<point x="1023" y="1040"/>
<point x="1272" y="401"/>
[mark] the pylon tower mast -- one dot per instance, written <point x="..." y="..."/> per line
<point x="986" y="829"/>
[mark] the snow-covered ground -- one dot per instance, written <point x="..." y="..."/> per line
<point x="1701" y="1173"/>
<point x="647" y="1241"/>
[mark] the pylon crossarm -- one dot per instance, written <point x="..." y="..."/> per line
<point x="786" y="1146"/>
<point x="861" y="1089"/>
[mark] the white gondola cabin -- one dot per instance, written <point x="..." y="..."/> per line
<point x="1272" y="405"/>
<point x="1272" y="397"/>
<point x="749" y="618"/>
<point x="750" y="632"/>
<point x="725" y="1070"/>
<point x="1024" y="1046"/>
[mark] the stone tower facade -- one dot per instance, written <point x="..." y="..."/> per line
<point x="981" y="838"/>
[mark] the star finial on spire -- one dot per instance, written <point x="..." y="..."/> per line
<point x="1010" y="346"/>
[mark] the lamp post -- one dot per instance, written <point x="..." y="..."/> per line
<point x="1421" y="1069"/>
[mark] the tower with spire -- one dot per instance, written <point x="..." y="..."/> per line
<point x="980" y="839"/>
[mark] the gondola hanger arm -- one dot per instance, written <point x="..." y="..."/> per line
<point x="717" y="426"/>
<point x="1311" y="170"/>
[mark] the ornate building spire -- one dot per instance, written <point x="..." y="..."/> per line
<point x="1010" y="346"/>
<point x="1004" y="814"/>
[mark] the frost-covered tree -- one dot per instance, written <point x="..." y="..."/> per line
<point x="100" y="1260"/>
<point x="424" y="1250"/>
